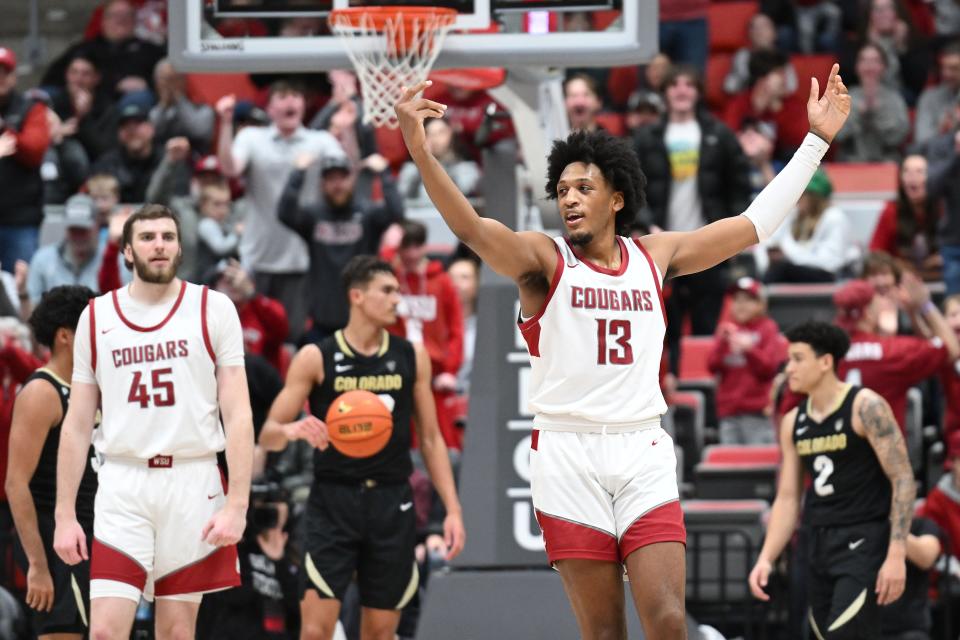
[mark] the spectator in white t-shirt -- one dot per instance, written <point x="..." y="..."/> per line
<point x="277" y="256"/>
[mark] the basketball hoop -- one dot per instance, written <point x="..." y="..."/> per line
<point x="390" y="48"/>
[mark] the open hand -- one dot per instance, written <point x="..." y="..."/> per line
<point x="891" y="580"/>
<point x="411" y="112"/>
<point x="828" y="113"/>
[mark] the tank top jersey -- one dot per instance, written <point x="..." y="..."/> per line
<point x="596" y="344"/>
<point x="391" y="374"/>
<point x="43" y="484"/>
<point x="849" y="485"/>
<point x="158" y="384"/>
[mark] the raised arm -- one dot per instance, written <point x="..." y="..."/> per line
<point x="874" y="421"/>
<point x="511" y="254"/>
<point x="681" y="253"/>
<point x="785" y="511"/>
<point x="435" y="455"/>
<point x="282" y="426"/>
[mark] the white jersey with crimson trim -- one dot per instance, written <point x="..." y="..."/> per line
<point x="596" y="344"/>
<point x="156" y="369"/>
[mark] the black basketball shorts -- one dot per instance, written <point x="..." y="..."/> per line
<point x="365" y="530"/>
<point x="844" y="562"/>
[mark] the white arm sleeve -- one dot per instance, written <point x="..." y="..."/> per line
<point x="82" y="360"/>
<point x="771" y="207"/>
<point x="226" y="336"/>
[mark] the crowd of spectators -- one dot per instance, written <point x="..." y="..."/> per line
<point x="276" y="194"/>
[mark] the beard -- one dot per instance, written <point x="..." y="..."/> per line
<point x="150" y="274"/>
<point x="580" y="238"/>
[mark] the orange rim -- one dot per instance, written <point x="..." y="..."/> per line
<point x="377" y="17"/>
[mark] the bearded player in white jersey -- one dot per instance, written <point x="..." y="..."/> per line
<point x="602" y="470"/>
<point x="164" y="360"/>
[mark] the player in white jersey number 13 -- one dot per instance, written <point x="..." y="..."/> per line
<point x="163" y="359"/>
<point x="595" y="393"/>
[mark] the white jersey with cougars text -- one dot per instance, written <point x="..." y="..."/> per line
<point x="155" y="366"/>
<point x="595" y="347"/>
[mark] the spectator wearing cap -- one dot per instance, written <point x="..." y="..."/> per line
<point x="761" y="36"/>
<point x="768" y="100"/>
<point x="879" y="123"/>
<point x="943" y="184"/>
<point x="747" y="353"/>
<point x="582" y="100"/>
<point x="278" y="257"/>
<point x="891" y="365"/>
<point x="465" y="173"/>
<point x="74" y="260"/>
<point x="812" y="245"/>
<point x="24" y="138"/>
<point x="126" y="62"/>
<point x="341" y="224"/>
<point x="137" y="156"/>
<point x="175" y="115"/>
<point x="696" y="174"/>
<point x="430" y="313"/>
<point x="644" y="107"/>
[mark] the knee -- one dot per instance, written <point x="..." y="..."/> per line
<point x="100" y="631"/>
<point x="667" y="623"/>
<point x="315" y="630"/>
<point x="610" y="631"/>
<point x="175" y="630"/>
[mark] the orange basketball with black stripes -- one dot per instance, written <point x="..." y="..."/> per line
<point x="359" y="424"/>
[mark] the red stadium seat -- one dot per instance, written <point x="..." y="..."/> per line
<point x="694" y="352"/>
<point x="718" y="66"/>
<point x="742" y="455"/>
<point x="621" y="82"/>
<point x="863" y="177"/>
<point x="815" y="65"/>
<point x="210" y="87"/>
<point x="728" y="23"/>
<point x="613" y="122"/>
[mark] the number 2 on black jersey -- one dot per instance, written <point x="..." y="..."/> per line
<point x="619" y="333"/>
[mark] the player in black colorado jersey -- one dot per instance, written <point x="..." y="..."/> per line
<point x="57" y="593"/>
<point x="359" y="515"/>
<point x="860" y="501"/>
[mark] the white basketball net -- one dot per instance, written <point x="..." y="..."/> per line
<point x="400" y="54"/>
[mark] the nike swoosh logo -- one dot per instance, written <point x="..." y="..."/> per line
<point x="802" y="430"/>
<point x="103" y="331"/>
<point x="340" y="368"/>
<point x="406" y="506"/>
<point x="856" y="543"/>
<point x="213" y="496"/>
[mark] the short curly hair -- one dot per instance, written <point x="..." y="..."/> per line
<point x="823" y="338"/>
<point x="59" y="308"/>
<point x="617" y="162"/>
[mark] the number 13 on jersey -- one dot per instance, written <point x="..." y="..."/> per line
<point x="613" y="342"/>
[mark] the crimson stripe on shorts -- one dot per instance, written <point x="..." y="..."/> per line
<point x="565" y="539"/>
<point x="656" y="277"/>
<point x="660" y="524"/>
<point x="216" y="571"/>
<point x="109" y="563"/>
<point x="93" y="335"/>
<point x="203" y="324"/>
<point x="534" y="439"/>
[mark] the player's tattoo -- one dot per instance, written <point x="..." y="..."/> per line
<point x="884" y="435"/>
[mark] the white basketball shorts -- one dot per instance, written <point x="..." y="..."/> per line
<point x="148" y="518"/>
<point x="603" y="496"/>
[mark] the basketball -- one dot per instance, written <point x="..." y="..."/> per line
<point x="359" y="424"/>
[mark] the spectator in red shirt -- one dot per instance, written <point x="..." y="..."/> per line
<point x="24" y="138"/>
<point x="943" y="502"/>
<point x="890" y="365"/>
<point x="907" y="228"/>
<point x="263" y="319"/>
<point x="950" y="374"/>
<point x="430" y="313"/>
<point x="746" y="354"/>
<point x="768" y="100"/>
